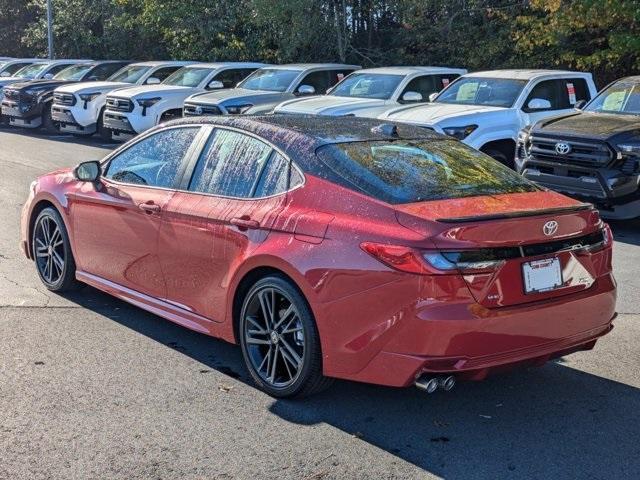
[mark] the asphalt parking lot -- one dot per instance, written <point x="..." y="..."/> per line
<point x="91" y="387"/>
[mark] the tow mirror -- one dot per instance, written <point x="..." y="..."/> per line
<point x="579" y="105"/>
<point x="152" y="81"/>
<point x="538" y="104"/>
<point x="432" y="97"/>
<point x="48" y="76"/>
<point x="411" y="97"/>
<point x="306" y="90"/>
<point x="215" y="85"/>
<point x="87" y="171"/>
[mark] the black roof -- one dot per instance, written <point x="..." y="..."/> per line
<point x="299" y="135"/>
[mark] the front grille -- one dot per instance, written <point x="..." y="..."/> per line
<point x="581" y="152"/>
<point x="16" y="96"/>
<point x="67" y="99"/>
<point x="119" y="104"/>
<point x="196" y="110"/>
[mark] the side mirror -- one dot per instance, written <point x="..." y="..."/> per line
<point x="5" y="74"/>
<point x="48" y="76"/>
<point x="579" y="105"/>
<point x="87" y="171"/>
<point x="93" y="78"/>
<point x="152" y="81"/>
<point x="306" y="90"/>
<point x="538" y="104"/>
<point x="215" y="85"/>
<point x="432" y="97"/>
<point x="412" y="97"/>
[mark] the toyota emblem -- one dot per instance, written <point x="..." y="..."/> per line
<point x="198" y="110"/>
<point x="563" y="148"/>
<point x="550" y="228"/>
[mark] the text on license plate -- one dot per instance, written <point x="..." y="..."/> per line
<point x="542" y="275"/>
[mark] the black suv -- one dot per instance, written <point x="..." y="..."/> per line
<point x="593" y="154"/>
<point x="28" y="104"/>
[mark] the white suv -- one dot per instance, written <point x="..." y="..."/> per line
<point x="486" y="110"/>
<point x="133" y="110"/>
<point x="368" y="93"/>
<point x="77" y="108"/>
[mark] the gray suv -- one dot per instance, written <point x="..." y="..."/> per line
<point x="265" y="88"/>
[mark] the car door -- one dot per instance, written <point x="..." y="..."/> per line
<point x="229" y="205"/>
<point x="562" y="94"/>
<point x="116" y="221"/>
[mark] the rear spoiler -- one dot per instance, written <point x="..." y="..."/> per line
<point x="524" y="213"/>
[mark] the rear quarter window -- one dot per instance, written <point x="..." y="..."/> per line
<point x="405" y="171"/>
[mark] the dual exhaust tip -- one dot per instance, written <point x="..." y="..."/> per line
<point x="431" y="384"/>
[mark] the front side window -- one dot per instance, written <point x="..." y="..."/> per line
<point x="491" y="92"/>
<point x="12" y="68"/>
<point x="73" y="73"/>
<point x="154" y="161"/>
<point x="270" y="79"/>
<point x="188" y="77"/>
<point x="230" y="165"/>
<point x="165" y="72"/>
<point x="405" y="171"/>
<point x="232" y="76"/>
<point x="130" y="74"/>
<point x="319" y="80"/>
<point x="621" y="97"/>
<point x="368" y="85"/>
<point x="104" y="71"/>
<point x="32" y="71"/>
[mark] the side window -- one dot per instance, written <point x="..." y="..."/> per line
<point x="274" y="178"/>
<point x="154" y="161"/>
<point x="572" y="90"/>
<point x="164" y="72"/>
<point x="230" y="78"/>
<point x="425" y="85"/>
<point x="336" y="76"/>
<point x="545" y="90"/>
<point x="443" y="81"/>
<point x="102" y="72"/>
<point x="318" y="80"/>
<point x="58" y="68"/>
<point x="11" y="69"/>
<point x="230" y="165"/>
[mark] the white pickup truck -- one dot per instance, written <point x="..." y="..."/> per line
<point x="136" y="109"/>
<point x="77" y="108"/>
<point x="486" y="110"/>
<point x="368" y="93"/>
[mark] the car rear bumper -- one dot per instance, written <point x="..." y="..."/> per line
<point x="465" y="339"/>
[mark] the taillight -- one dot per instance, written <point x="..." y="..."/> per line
<point x="425" y="262"/>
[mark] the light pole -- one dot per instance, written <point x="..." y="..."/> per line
<point x="50" y="29"/>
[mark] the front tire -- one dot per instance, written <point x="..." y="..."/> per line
<point x="103" y="132"/>
<point x="52" y="252"/>
<point x="48" y="124"/>
<point x="279" y="340"/>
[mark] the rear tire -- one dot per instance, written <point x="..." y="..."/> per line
<point x="52" y="252"/>
<point x="280" y="341"/>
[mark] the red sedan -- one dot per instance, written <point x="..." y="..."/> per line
<point x="331" y="248"/>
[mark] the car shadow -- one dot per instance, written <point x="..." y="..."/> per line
<point x="89" y="141"/>
<point x="548" y="422"/>
<point x="626" y="231"/>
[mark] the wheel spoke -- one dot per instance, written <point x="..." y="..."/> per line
<point x="287" y="356"/>
<point x="49" y="273"/>
<point x="264" y="360"/>
<point x="58" y="262"/>
<point x="44" y="228"/>
<point x="54" y="238"/>
<point x="257" y="341"/>
<point x="266" y="311"/>
<point x="286" y="360"/>
<point x="41" y="254"/>
<point x="284" y="316"/>
<point x="291" y="330"/>
<point x="272" y="376"/>
<point x="291" y="351"/>
<point x="40" y="245"/>
<point x="259" y="330"/>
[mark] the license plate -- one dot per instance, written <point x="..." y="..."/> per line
<point x="542" y="275"/>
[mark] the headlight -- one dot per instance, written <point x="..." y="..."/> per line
<point x="146" y="103"/>
<point x="460" y="132"/>
<point x="238" y="109"/>
<point x="630" y="148"/>
<point x="89" y="97"/>
<point x="34" y="92"/>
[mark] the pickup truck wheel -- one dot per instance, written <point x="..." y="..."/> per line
<point x="499" y="156"/>
<point x="48" y="124"/>
<point x="103" y="132"/>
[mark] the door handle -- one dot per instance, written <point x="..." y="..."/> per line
<point x="244" y="223"/>
<point x="149" y="207"/>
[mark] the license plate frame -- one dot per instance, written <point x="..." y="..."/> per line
<point x="543" y="275"/>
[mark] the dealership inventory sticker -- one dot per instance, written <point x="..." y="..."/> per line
<point x="571" y="90"/>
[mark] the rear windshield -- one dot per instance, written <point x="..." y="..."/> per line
<point x="406" y="171"/>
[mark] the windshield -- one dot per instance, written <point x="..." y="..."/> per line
<point x="32" y="71"/>
<point x="407" y="171"/>
<point x="130" y="74"/>
<point x="74" y="72"/>
<point x="188" y="77"/>
<point x="368" y="85"/>
<point x="621" y="97"/>
<point x="271" y="79"/>
<point x="493" y="92"/>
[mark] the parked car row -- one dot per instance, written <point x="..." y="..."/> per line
<point x="515" y="116"/>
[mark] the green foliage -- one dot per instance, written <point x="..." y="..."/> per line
<point x="602" y="36"/>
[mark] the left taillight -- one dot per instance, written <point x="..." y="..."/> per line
<point x="431" y="262"/>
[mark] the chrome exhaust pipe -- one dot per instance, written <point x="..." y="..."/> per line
<point x="428" y="384"/>
<point x="431" y="384"/>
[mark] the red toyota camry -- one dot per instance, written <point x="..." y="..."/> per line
<point x="331" y="248"/>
